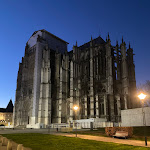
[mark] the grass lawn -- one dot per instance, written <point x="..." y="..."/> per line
<point x="98" y="132"/>
<point x="38" y="141"/>
<point x="138" y="133"/>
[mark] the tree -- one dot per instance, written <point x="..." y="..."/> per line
<point x="145" y="88"/>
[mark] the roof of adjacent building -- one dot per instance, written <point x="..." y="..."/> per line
<point x="43" y="30"/>
<point x="2" y="109"/>
<point x="9" y="107"/>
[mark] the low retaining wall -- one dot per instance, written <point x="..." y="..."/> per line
<point x="9" y="144"/>
<point x="134" y="117"/>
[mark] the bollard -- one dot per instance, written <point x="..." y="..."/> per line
<point x="9" y="145"/>
<point x="20" y="147"/>
<point x="4" y="141"/>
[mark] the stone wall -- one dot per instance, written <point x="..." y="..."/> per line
<point x="134" y="117"/>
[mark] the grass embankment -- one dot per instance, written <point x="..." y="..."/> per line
<point x="138" y="133"/>
<point x="52" y="142"/>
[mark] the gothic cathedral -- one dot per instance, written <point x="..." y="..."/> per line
<point x="96" y="76"/>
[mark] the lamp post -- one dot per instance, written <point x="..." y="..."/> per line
<point x="75" y="109"/>
<point x="142" y="97"/>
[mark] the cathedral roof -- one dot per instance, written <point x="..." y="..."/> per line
<point x="98" y="40"/>
<point x="43" y="30"/>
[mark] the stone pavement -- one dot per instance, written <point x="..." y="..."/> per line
<point x="107" y="139"/>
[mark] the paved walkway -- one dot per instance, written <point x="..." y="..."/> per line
<point x="107" y="139"/>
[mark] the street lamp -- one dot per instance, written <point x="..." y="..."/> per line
<point x="76" y="108"/>
<point x="142" y="97"/>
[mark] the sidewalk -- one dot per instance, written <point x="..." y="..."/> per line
<point x="107" y="139"/>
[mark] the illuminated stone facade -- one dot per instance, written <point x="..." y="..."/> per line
<point x="96" y="76"/>
<point x="6" y="115"/>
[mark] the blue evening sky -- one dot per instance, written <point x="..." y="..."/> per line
<point x="71" y="20"/>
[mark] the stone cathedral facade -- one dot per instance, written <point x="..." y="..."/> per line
<point x="96" y="76"/>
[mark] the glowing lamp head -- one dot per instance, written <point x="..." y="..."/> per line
<point x="75" y="107"/>
<point x="142" y="96"/>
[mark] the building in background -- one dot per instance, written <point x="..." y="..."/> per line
<point x="6" y="114"/>
<point x="96" y="76"/>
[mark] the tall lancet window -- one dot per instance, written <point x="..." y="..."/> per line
<point x="101" y="105"/>
<point x="116" y="71"/>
